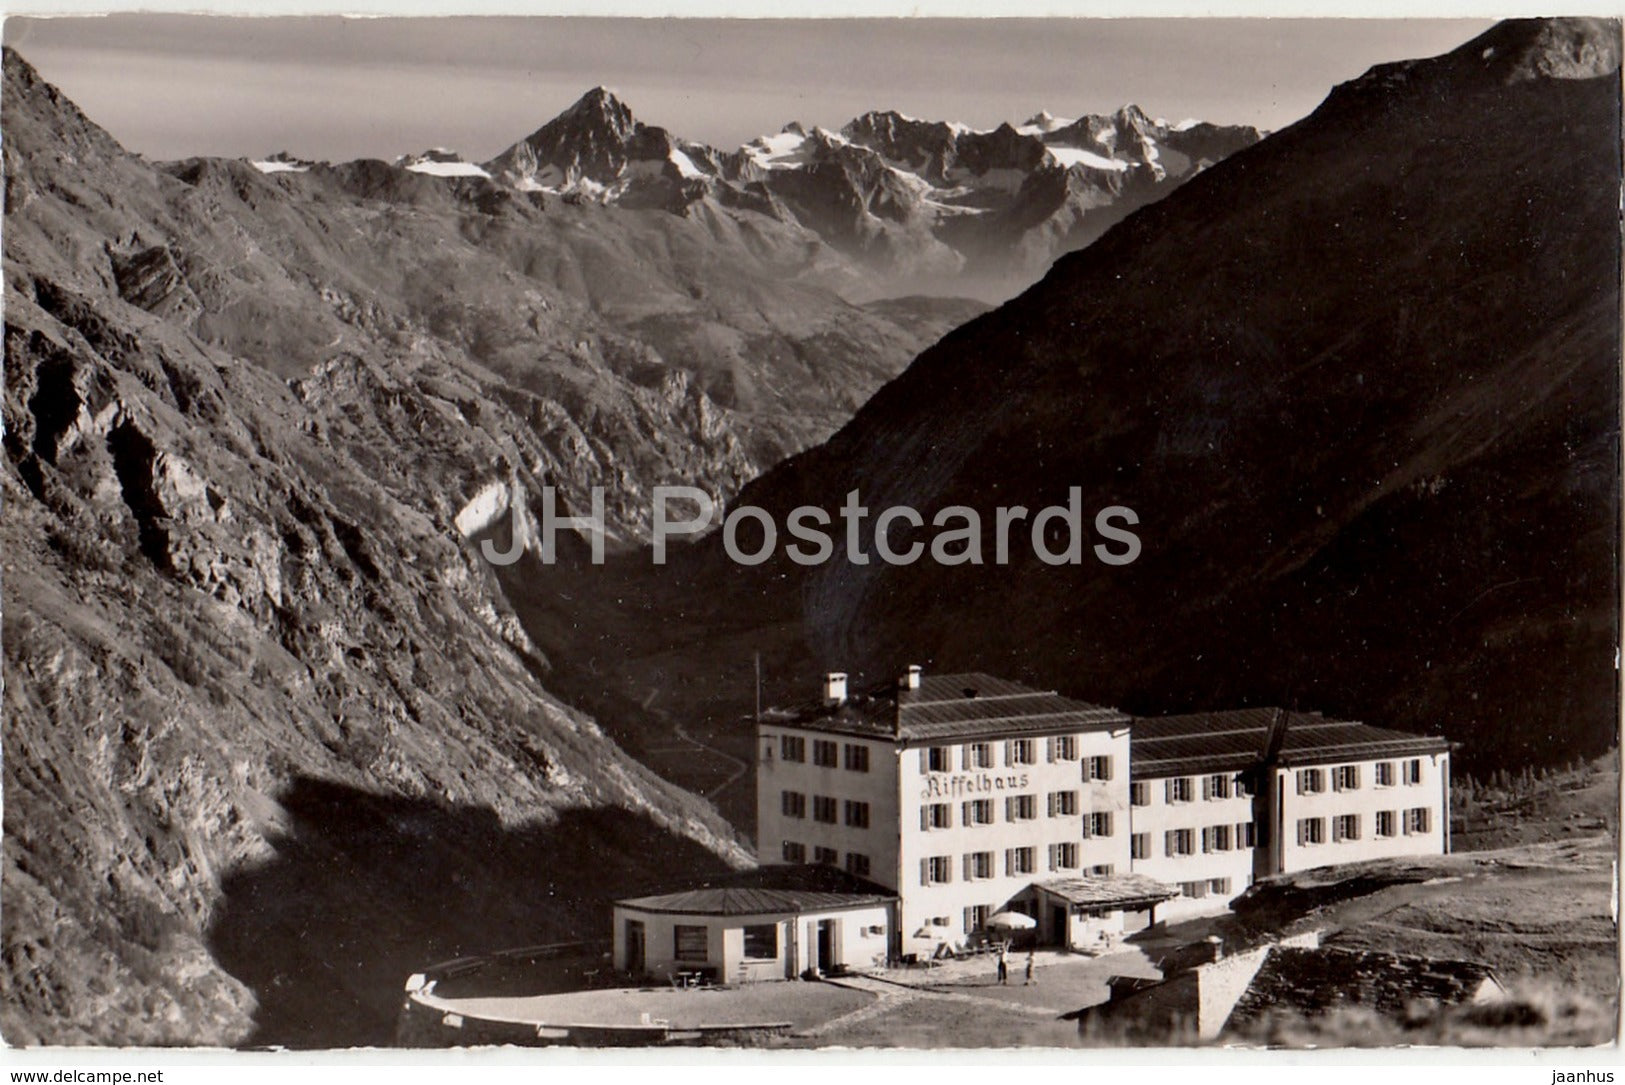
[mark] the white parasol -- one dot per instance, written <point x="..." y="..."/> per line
<point x="1012" y="921"/>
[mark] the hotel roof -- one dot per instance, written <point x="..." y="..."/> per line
<point x="955" y="708"/>
<point x="768" y="890"/>
<point x="1236" y="740"/>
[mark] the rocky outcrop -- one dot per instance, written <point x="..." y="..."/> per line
<point x="272" y="733"/>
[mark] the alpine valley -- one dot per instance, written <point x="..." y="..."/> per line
<point x="276" y="734"/>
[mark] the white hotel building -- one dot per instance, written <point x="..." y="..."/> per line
<point x="959" y="796"/>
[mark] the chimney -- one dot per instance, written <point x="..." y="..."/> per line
<point x="911" y="677"/>
<point x="835" y="689"/>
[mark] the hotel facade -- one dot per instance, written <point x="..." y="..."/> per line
<point x="968" y="795"/>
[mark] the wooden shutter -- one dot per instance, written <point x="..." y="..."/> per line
<point x="1168" y="790"/>
<point x="1049" y="749"/>
<point x="1168" y="843"/>
<point x="1303" y="828"/>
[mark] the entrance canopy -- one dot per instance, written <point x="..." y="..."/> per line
<point x="1109" y="892"/>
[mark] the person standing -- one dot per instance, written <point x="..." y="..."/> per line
<point x="1004" y="963"/>
<point x="1030" y="979"/>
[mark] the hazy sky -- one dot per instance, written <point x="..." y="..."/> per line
<point x="171" y="86"/>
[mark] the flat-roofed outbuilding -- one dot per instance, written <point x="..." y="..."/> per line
<point x="770" y="923"/>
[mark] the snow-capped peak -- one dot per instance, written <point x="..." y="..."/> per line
<point x="1042" y="123"/>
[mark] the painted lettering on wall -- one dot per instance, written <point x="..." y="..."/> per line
<point x="941" y="785"/>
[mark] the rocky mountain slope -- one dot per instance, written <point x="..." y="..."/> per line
<point x="272" y="738"/>
<point x="1359" y="382"/>
<point x="907" y="198"/>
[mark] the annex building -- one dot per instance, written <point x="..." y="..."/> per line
<point x="961" y="796"/>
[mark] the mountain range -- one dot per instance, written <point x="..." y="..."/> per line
<point x="277" y="734"/>
<point x="908" y="200"/>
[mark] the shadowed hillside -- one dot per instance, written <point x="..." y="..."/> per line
<point x="1360" y="383"/>
<point x="363" y="889"/>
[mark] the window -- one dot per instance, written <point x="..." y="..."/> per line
<point x="1139" y="793"/>
<point x="1140" y="846"/>
<point x="1243" y="789"/>
<point x="793" y="804"/>
<point x="1418" y="820"/>
<point x="937" y="870"/>
<point x="1020" y="807"/>
<point x="1019" y="861"/>
<point x="824" y="809"/>
<point x="1064" y="748"/>
<point x="690" y="943"/>
<point x="936" y="759"/>
<point x="857" y="757"/>
<point x="826" y="856"/>
<point x="1100" y="767"/>
<point x="978" y="812"/>
<point x="1178" y="789"/>
<point x="795" y="853"/>
<point x="762" y="942"/>
<point x="1246" y="834"/>
<point x="1216" y="838"/>
<point x="975" y="917"/>
<point x="979" y="755"/>
<point x="857" y="814"/>
<point x="1387" y="823"/>
<point x="1193" y="889"/>
<point x="824" y="753"/>
<point x="1179" y="842"/>
<point x="1219" y="886"/>
<point x="1103" y="870"/>
<point x="857" y="863"/>
<point x="1019" y="752"/>
<point x="1413" y="771"/>
<point x="978" y="866"/>
<point x="1311" y="781"/>
<point x="1385" y="774"/>
<point x="1063" y="804"/>
<point x="792" y="748"/>
<point x="1346" y="827"/>
<point x="1311" y="831"/>
<point x="1063" y="856"/>
<point x="1216" y="787"/>
<point x="936" y="815"/>
<point x="1098" y="824"/>
<point x="1346" y="778"/>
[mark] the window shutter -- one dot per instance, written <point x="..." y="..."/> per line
<point x="1302" y="830"/>
<point x="1207" y="788"/>
<point x="1049" y="749"/>
<point x="1168" y="843"/>
<point x="1106" y="767"/>
<point x="1168" y="790"/>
